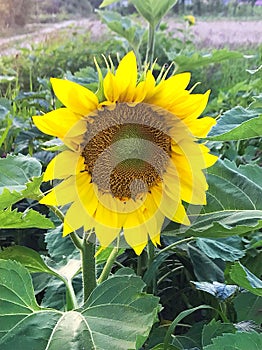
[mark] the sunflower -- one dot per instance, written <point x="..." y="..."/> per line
<point x="131" y="156"/>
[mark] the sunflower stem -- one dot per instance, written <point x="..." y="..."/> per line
<point x="108" y="266"/>
<point x="173" y="245"/>
<point x="71" y="301"/>
<point x="151" y="255"/>
<point x="151" y="44"/>
<point x="88" y="266"/>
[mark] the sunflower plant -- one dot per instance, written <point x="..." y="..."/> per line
<point x="135" y="182"/>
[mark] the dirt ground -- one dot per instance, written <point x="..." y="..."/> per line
<point x="215" y="34"/>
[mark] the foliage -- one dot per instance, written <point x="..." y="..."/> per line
<point x="42" y="298"/>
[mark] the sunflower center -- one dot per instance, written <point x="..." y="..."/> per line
<point x="126" y="149"/>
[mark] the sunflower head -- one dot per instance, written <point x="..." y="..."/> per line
<point x="132" y="159"/>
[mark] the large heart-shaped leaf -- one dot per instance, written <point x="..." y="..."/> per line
<point x="214" y="329"/>
<point x="239" y="341"/>
<point x="116" y="316"/>
<point x="237" y="124"/>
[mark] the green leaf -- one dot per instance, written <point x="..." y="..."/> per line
<point x="237" y="124"/>
<point x="237" y="341"/>
<point x="28" y="219"/>
<point x="214" y="329"/>
<point x="27" y="257"/>
<point x="244" y="278"/>
<point x="180" y="317"/>
<point x="189" y="63"/>
<point x="123" y="26"/>
<point x="248" y="306"/>
<point x="60" y="249"/>
<point x="211" y="272"/>
<point x="234" y="205"/>
<point x="219" y="250"/>
<point x="153" y="11"/>
<point x="118" y="320"/>
<point x="19" y="178"/>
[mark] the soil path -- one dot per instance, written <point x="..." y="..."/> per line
<point x="216" y="34"/>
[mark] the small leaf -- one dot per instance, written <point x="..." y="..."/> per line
<point x="239" y="341"/>
<point x="123" y="26"/>
<point x="27" y="257"/>
<point x="153" y="11"/>
<point x="28" y="219"/>
<point x="189" y="63"/>
<point x="244" y="278"/>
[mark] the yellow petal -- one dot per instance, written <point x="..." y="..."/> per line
<point x="62" y="194"/>
<point x="73" y="218"/>
<point x="57" y="123"/>
<point x="155" y="240"/>
<point x="106" y="216"/>
<point x="126" y="77"/>
<point x="106" y="235"/>
<point x="169" y="91"/>
<point x="111" y="88"/>
<point x="180" y="215"/>
<point x="63" y="165"/>
<point x="145" y="88"/>
<point x="176" y="82"/>
<point x="86" y="193"/>
<point x="201" y="127"/>
<point x="192" y="107"/>
<point x="74" y="96"/>
<point x="136" y="233"/>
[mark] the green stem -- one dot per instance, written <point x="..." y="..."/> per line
<point x="151" y="256"/>
<point x="71" y="302"/>
<point x="151" y="44"/>
<point x="88" y="267"/>
<point x="171" y="246"/>
<point x="108" y="266"/>
<point x="223" y="312"/>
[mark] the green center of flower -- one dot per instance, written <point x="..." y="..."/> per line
<point x="126" y="149"/>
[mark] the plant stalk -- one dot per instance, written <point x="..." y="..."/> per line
<point x="151" y="44"/>
<point x="108" y="266"/>
<point x="88" y="267"/>
<point x="71" y="302"/>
